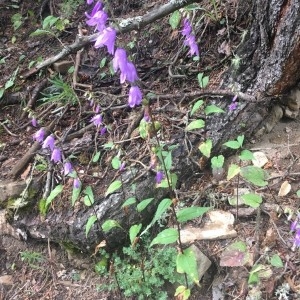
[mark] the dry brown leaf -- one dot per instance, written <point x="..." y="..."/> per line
<point x="284" y="189"/>
<point x="26" y="172"/>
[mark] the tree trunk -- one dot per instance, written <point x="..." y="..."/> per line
<point x="269" y="65"/>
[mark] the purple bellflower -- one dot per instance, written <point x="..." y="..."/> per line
<point x="39" y="135"/>
<point x="34" y="122"/>
<point x="159" y="177"/>
<point x="130" y="72"/>
<point x="68" y="168"/>
<point x="191" y="42"/>
<point x="233" y="104"/>
<point x="103" y="130"/>
<point x="97" y="120"/>
<point x="135" y="96"/>
<point x="76" y="183"/>
<point x="89" y="2"/>
<point x="107" y="38"/>
<point x="122" y="167"/>
<point x="120" y="60"/>
<point x="187" y="28"/>
<point x="49" y="142"/>
<point x="98" y="20"/>
<point x="98" y="6"/>
<point x="56" y="155"/>
<point x="295" y="226"/>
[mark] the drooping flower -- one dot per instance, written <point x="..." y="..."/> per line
<point x="107" y="38"/>
<point x="97" y="120"/>
<point x="98" y="6"/>
<point x="97" y="109"/>
<point x="67" y="168"/>
<point x="49" y="142"/>
<point x="89" y="2"/>
<point x="98" y="19"/>
<point x="146" y="117"/>
<point x="103" y="130"/>
<point x="34" y="122"/>
<point x="135" y="96"/>
<point x="191" y="42"/>
<point x="56" y="155"/>
<point x="159" y="177"/>
<point x="187" y="28"/>
<point x="120" y="60"/>
<point x="233" y="104"/>
<point x="122" y="167"/>
<point x="39" y="135"/>
<point x="76" y="183"/>
<point x="130" y="72"/>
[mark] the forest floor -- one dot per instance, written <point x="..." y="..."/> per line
<point x="34" y="270"/>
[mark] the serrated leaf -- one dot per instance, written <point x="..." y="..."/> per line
<point x="109" y="224"/>
<point x="246" y="155"/>
<point x="129" y="201"/>
<point x="89" y="196"/>
<point x="211" y="109"/>
<point x="276" y="261"/>
<point x="167" y="236"/>
<point x="54" y="193"/>
<point x="190" y="213"/>
<point x="75" y="195"/>
<point x="217" y="162"/>
<point x="175" y="19"/>
<point x="114" y="186"/>
<point x="90" y="222"/>
<point x="255" y="175"/>
<point x="186" y="263"/>
<point x="196" y="106"/>
<point x="205" y="148"/>
<point x="252" y="200"/>
<point x="232" y="144"/>
<point x="196" y="124"/>
<point x="143" y="204"/>
<point x="233" y="170"/>
<point x="134" y="231"/>
<point x="96" y="157"/>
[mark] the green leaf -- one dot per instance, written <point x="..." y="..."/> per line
<point x="240" y="140"/>
<point x="42" y="207"/>
<point x="114" y="186"/>
<point x="109" y="224"/>
<point x="41" y="32"/>
<point x="102" y="62"/>
<point x="143" y="204"/>
<point x="96" y="157"/>
<point x="54" y="193"/>
<point x="75" y="195"/>
<point x="186" y="263"/>
<point x="90" y="222"/>
<point x="143" y="129"/>
<point x="246" y="155"/>
<point x="116" y="163"/>
<point x="255" y="175"/>
<point x="167" y="236"/>
<point x="233" y="170"/>
<point x="134" y="231"/>
<point x="196" y="124"/>
<point x="162" y="207"/>
<point x="211" y="109"/>
<point x="168" y="161"/>
<point x="89" y="196"/>
<point x="129" y="201"/>
<point x="276" y="261"/>
<point x="173" y="181"/>
<point x="183" y="293"/>
<point x="253" y="278"/>
<point x="205" y="148"/>
<point x="2" y="90"/>
<point x="109" y="145"/>
<point x="175" y="19"/>
<point x="252" y="200"/>
<point x="190" y="213"/>
<point x="297" y="193"/>
<point x="217" y="162"/>
<point x="196" y="106"/>
<point x="202" y="80"/>
<point x="232" y="144"/>
<point x="49" y="21"/>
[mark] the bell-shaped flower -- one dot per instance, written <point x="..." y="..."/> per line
<point x="187" y="28"/>
<point x="159" y="177"/>
<point x="97" y="120"/>
<point x="39" y="135"/>
<point x="103" y="130"/>
<point x="130" y="72"/>
<point x="120" y="60"/>
<point x="98" y="20"/>
<point x="76" y="183"/>
<point x="34" y="122"/>
<point x="191" y="42"/>
<point x="107" y="38"/>
<point x="135" y="96"/>
<point x="49" y="142"/>
<point x="98" y="6"/>
<point x="56" y="155"/>
<point x="68" y="168"/>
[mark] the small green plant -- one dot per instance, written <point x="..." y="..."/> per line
<point x="33" y="259"/>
